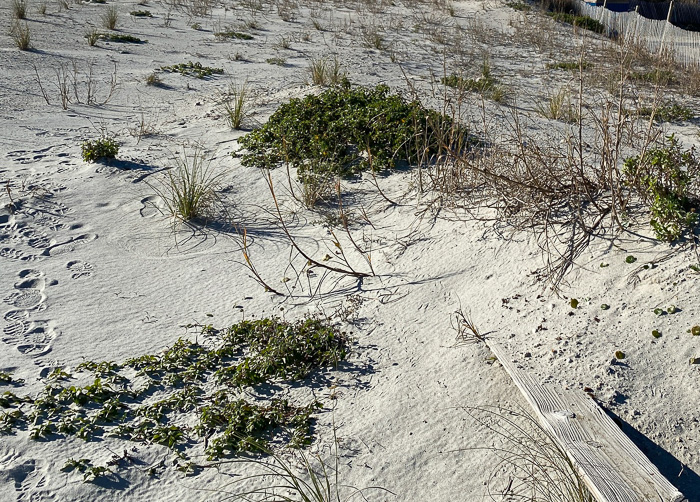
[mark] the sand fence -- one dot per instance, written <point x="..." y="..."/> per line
<point x="657" y="36"/>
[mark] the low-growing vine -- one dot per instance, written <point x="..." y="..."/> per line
<point x="152" y="398"/>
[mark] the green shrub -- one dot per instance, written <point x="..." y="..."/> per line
<point x="141" y="13"/>
<point x="227" y="35"/>
<point x="193" y="69"/>
<point x="585" y="22"/>
<point x="668" y="113"/>
<point x="344" y="131"/>
<point x="568" y="65"/>
<point x="276" y="61"/>
<point x="119" y="38"/>
<point x="656" y="76"/>
<point x="667" y="180"/>
<point x="104" y="148"/>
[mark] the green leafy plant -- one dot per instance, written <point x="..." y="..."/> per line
<point x="656" y="333"/>
<point x="656" y="76"/>
<point x="141" y="13"/>
<point x="630" y="259"/>
<point x="101" y="149"/>
<point x="189" y="190"/>
<point x="666" y="179"/>
<point x="152" y="397"/>
<point x="120" y="38"/>
<point x="277" y="61"/>
<point x="695" y="330"/>
<point x="668" y="113"/>
<point x="573" y="303"/>
<point x="344" y="131"/>
<point x="585" y="22"/>
<point x="519" y="6"/>
<point x="569" y="65"/>
<point x="619" y="354"/>
<point x="230" y="34"/>
<point x="193" y="69"/>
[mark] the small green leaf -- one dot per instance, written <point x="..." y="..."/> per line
<point x="573" y="303"/>
<point x="695" y="330"/>
<point x="604" y="306"/>
<point x="656" y="333"/>
<point x="619" y="354"/>
<point x="630" y="259"/>
<point x="658" y="311"/>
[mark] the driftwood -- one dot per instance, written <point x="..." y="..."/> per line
<point x="610" y="464"/>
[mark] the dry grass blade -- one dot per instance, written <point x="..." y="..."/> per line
<point x="279" y="481"/>
<point x="467" y="332"/>
<point x="535" y="467"/>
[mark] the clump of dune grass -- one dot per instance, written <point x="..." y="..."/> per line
<point x="110" y="18"/>
<point x="326" y="71"/>
<point x="235" y="103"/>
<point x="279" y="480"/>
<point x="19" y="9"/>
<point x="190" y="189"/>
<point x="21" y="35"/>
<point x="538" y="468"/>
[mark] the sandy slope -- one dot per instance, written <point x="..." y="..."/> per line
<point x="90" y="269"/>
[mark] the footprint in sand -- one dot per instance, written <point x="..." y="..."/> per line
<point x="36" y="340"/>
<point x="28" y="477"/>
<point x="69" y="245"/>
<point x="17" y="323"/>
<point x="29" y="292"/>
<point x="149" y="207"/>
<point x="28" y="336"/>
<point x="79" y="269"/>
<point x="16" y="254"/>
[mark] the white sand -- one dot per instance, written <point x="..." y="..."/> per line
<point x="91" y="270"/>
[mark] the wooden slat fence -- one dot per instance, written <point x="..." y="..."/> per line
<point x="656" y="36"/>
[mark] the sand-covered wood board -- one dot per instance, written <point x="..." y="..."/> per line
<point x="610" y="464"/>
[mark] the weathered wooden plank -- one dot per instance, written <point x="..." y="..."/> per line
<point x="610" y="464"/>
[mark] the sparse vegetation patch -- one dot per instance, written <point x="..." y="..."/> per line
<point x="672" y="112"/>
<point x="185" y="397"/>
<point x="119" y="38"/>
<point x="228" y="35"/>
<point x="193" y="69"/>
<point x="585" y="22"/>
